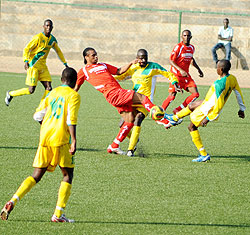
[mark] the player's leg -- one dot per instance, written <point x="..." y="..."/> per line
<point x="135" y="133"/>
<point x="194" y="95"/>
<point x="171" y="96"/>
<point x="128" y="124"/>
<point x="31" y="81"/>
<point x="147" y="104"/>
<point x="24" y="188"/>
<point x="214" y="49"/>
<point x="203" y="156"/>
<point x="63" y="196"/>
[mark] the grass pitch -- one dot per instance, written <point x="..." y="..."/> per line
<point x="160" y="193"/>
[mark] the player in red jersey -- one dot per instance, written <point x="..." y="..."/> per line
<point x="100" y="76"/>
<point x="180" y="60"/>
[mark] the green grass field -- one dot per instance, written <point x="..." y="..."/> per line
<point x="160" y="193"/>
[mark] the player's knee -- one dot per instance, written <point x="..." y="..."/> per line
<point x="192" y="127"/>
<point x="32" y="89"/>
<point x="49" y="88"/>
<point x="138" y="119"/>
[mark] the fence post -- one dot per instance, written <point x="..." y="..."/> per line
<point x="179" y="25"/>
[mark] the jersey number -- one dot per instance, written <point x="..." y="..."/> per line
<point x="57" y="107"/>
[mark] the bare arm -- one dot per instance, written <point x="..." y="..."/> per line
<point x="72" y="131"/>
<point x="193" y="62"/>
<point x="77" y="87"/>
<point x="183" y="73"/>
<point x="123" y="69"/>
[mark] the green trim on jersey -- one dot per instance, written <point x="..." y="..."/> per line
<point x="150" y="66"/>
<point x="53" y="39"/>
<point x="36" y="58"/>
<point x="220" y="86"/>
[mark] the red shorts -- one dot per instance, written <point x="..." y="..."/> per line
<point x="121" y="99"/>
<point x="184" y="83"/>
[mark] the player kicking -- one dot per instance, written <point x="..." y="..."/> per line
<point x="100" y="76"/>
<point x="34" y="56"/>
<point x="180" y="60"/>
<point x="143" y="75"/>
<point x="202" y="112"/>
<point x="57" y="146"/>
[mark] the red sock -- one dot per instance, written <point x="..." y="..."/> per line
<point x="124" y="130"/>
<point x="147" y="104"/>
<point x="190" y="99"/>
<point x="167" y="101"/>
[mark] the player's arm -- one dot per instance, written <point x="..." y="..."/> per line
<point x="193" y="62"/>
<point x="123" y="69"/>
<point x="60" y="54"/>
<point x="240" y="100"/>
<point x="41" y="111"/>
<point x="183" y="73"/>
<point x="126" y="75"/>
<point x="80" y="80"/>
<point x="72" y="131"/>
<point x="26" y="51"/>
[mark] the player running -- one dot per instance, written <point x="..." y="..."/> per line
<point x="202" y="112"/>
<point x="100" y="76"/>
<point x="34" y="56"/>
<point x="180" y="60"/>
<point x="58" y="115"/>
<point x="143" y="76"/>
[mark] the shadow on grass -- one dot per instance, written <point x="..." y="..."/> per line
<point x="144" y="223"/>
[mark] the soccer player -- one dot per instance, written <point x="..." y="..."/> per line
<point x="58" y="117"/>
<point x="203" y="112"/>
<point x="34" y="56"/>
<point x="180" y="60"/>
<point x="100" y="76"/>
<point x="143" y="75"/>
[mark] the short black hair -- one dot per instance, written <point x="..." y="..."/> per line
<point x="225" y="65"/>
<point x="85" y="52"/>
<point x="48" y="20"/>
<point x="142" y="52"/>
<point x="69" y="75"/>
<point x="186" y="30"/>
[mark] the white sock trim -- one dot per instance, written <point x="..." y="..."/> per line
<point x="59" y="208"/>
<point x="117" y="141"/>
<point x="16" y="197"/>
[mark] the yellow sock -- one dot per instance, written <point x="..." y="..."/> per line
<point x="183" y="113"/>
<point x="134" y="137"/>
<point x="24" y="188"/>
<point x="22" y="91"/>
<point x="63" y="196"/>
<point x="197" y="142"/>
<point x="129" y="134"/>
<point x="46" y="92"/>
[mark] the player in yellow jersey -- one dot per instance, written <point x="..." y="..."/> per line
<point x="34" y="57"/>
<point x="57" y="146"/>
<point x="202" y="112"/>
<point x="143" y="75"/>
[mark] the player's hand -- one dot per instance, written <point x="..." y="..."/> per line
<point x="26" y="65"/>
<point x="183" y="73"/>
<point x="204" y="122"/>
<point x="72" y="149"/>
<point x="241" y="114"/>
<point x="135" y="61"/>
<point x="201" y="74"/>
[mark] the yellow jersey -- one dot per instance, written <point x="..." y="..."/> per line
<point x="218" y="94"/>
<point x="58" y="110"/>
<point x="37" y="50"/>
<point x="144" y="78"/>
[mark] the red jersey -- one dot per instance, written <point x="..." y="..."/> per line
<point x="99" y="76"/>
<point x="182" y="55"/>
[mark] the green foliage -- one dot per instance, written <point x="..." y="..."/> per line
<point x="160" y="193"/>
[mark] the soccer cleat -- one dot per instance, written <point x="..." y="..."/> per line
<point x="6" y="210"/>
<point x="130" y="153"/>
<point x="115" y="150"/>
<point x="62" y="219"/>
<point x="164" y="122"/>
<point x="201" y="158"/>
<point x="169" y="117"/>
<point x="8" y="98"/>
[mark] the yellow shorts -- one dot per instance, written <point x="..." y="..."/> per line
<point x="197" y="116"/>
<point x="141" y="109"/>
<point x="50" y="157"/>
<point x="37" y="74"/>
